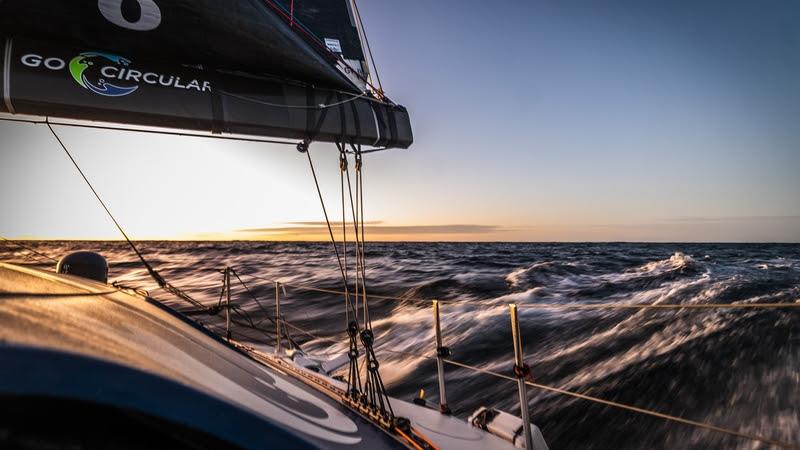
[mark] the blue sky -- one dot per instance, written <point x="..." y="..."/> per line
<point x="545" y="120"/>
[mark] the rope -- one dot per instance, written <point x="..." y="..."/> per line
<point x="358" y="221"/>
<point x="330" y="230"/>
<point x="354" y="385"/>
<point x="139" y="130"/>
<point x="310" y="334"/>
<point x="24" y="295"/>
<point x="42" y="255"/>
<point x="342" y="169"/>
<point x="360" y="199"/>
<point x="253" y="296"/>
<point x="172" y="133"/>
<point x="153" y="274"/>
<point x="796" y="304"/>
<point x="315" y="107"/>
<point x="366" y="44"/>
<point x="793" y="305"/>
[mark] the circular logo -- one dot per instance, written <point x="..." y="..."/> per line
<point x="88" y="71"/>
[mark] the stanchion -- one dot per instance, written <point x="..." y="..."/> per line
<point x="228" y="303"/>
<point x="441" y="353"/>
<point x="278" y="348"/>
<point x="521" y="371"/>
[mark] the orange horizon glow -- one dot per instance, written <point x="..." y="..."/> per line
<point x="777" y="229"/>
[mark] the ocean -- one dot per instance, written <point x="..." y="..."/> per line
<point x="734" y="368"/>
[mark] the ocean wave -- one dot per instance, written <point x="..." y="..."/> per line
<point x="735" y="368"/>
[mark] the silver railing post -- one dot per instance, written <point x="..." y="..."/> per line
<point x="522" y="371"/>
<point x="228" y="303"/>
<point x="441" y="353"/>
<point x="278" y="348"/>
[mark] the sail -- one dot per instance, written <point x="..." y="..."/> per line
<point x="279" y="68"/>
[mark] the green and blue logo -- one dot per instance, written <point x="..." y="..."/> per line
<point x="81" y="69"/>
<point x="110" y="75"/>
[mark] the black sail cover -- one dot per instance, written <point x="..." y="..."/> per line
<point x="292" y="69"/>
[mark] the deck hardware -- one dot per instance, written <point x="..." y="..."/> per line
<point x="420" y="398"/>
<point x="521" y="371"/>
<point x="441" y="353"/>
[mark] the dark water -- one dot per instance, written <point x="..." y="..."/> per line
<point x="737" y="369"/>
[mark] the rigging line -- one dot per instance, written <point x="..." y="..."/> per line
<point x="315" y="107"/>
<point x="14" y="295"/>
<point x="330" y="229"/>
<point x="309" y="334"/>
<point x="795" y="304"/>
<point x="12" y="242"/>
<point x="368" y="48"/>
<point x="222" y="291"/>
<point x="353" y="379"/>
<point x="373" y="150"/>
<point x="354" y="376"/>
<point x="354" y="212"/>
<point x="162" y="132"/>
<point x="153" y="274"/>
<point x="359" y="280"/>
<point x="342" y="168"/>
<point x="359" y="244"/>
<point x="648" y="412"/>
<point x="360" y="182"/>
<point x="244" y="315"/>
<point x="358" y="222"/>
<point x="138" y="130"/>
<point x="343" y="152"/>
<point x="263" y="309"/>
<point x="253" y="296"/>
<point x="33" y="259"/>
<point x="374" y="385"/>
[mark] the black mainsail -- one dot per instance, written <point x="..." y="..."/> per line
<point x="255" y="67"/>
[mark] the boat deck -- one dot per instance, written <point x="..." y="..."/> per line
<point x="70" y="338"/>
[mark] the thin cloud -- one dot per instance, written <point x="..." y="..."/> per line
<point x="710" y="219"/>
<point x="321" y="223"/>
<point x="376" y="229"/>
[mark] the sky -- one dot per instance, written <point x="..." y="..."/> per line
<point x="533" y="121"/>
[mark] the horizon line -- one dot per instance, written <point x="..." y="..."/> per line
<point x="323" y="241"/>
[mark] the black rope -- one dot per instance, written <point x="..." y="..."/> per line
<point x="330" y="229"/>
<point x="355" y="225"/>
<point x="342" y="170"/>
<point x="150" y="270"/>
<point x="375" y="393"/>
<point x="360" y="200"/>
<point x="17" y="244"/>
<point x="353" y="377"/>
<point x="263" y="309"/>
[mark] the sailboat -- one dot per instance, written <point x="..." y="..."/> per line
<point x="86" y="364"/>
